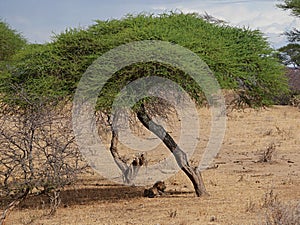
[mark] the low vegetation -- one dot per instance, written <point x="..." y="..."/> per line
<point x="278" y="212"/>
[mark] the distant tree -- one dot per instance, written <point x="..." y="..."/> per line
<point x="290" y="53"/>
<point x="293" y="5"/>
<point x="11" y="41"/>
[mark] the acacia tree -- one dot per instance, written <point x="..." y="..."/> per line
<point x="240" y="58"/>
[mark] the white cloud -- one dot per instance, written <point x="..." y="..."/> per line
<point x="264" y="16"/>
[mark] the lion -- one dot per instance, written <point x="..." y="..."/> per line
<point x="157" y="189"/>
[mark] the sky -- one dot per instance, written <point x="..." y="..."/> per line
<point x="39" y="20"/>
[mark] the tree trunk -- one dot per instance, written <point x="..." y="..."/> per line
<point x="181" y="158"/>
<point x="129" y="171"/>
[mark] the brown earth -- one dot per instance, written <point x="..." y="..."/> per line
<point x="237" y="184"/>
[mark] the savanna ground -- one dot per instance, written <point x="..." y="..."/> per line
<point x="238" y="183"/>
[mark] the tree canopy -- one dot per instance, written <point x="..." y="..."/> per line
<point x="240" y="58"/>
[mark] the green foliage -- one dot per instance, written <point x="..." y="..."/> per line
<point x="239" y="57"/>
<point x="10" y="41"/>
<point x="36" y="78"/>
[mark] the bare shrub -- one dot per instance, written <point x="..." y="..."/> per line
<point x="172" y="213"/>
<point x="270" y="199"/>
<point x="250" y="206"/>
<point x="267" y="154"/>
<point x="279" y="213"/>
<point x="38" y="153"/>
<point x="283" y="214"/>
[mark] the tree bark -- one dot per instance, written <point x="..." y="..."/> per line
<point x="181" y="158"/>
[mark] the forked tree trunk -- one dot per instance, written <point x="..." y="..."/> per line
<point x="193" y="173"/>
<point x="129" y="171"/>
